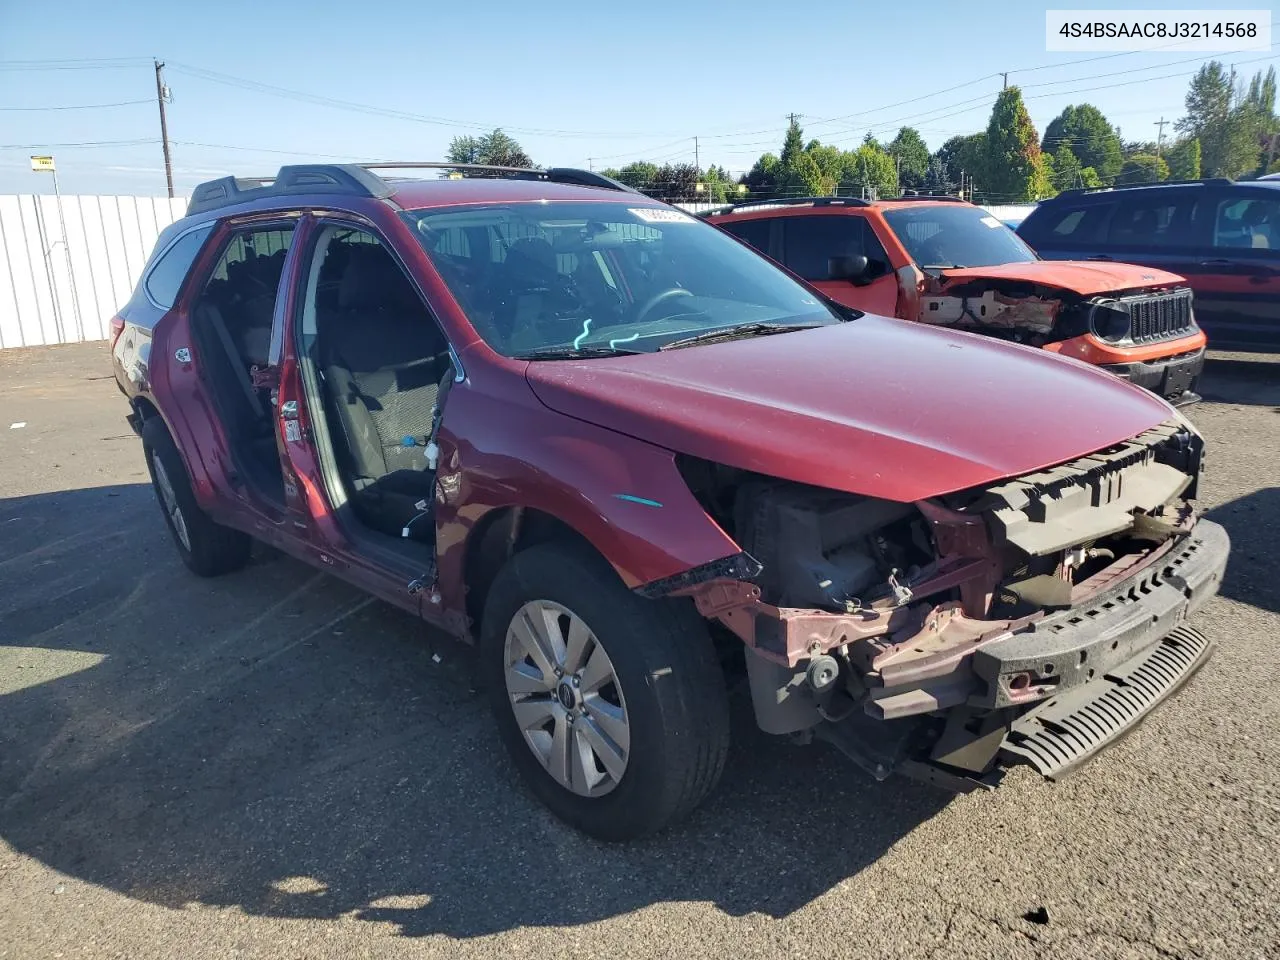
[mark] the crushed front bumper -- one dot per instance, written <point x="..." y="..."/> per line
<point x="1174" y="378"/>
<point x="1084" y="643"/>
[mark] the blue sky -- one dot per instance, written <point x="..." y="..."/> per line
<point x="575" y="82"/>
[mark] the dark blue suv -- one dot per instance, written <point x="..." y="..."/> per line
<point x="1222" y="235"/>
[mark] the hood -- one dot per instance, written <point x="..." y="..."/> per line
<point x="1087" y="279"/>
<point x="879" y="407"/>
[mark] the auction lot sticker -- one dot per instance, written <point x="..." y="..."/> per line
<point x="1223" y="31"/>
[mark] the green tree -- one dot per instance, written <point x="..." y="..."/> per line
<point x="937" y="181"/>
<point x="494" y="149"/>
<point x="1014" y="170"/>
<point x="868" y="169"/>
<point x="963" y="156"/>
<point x="718" y="186"/>
<point x="912" y="156"/>
<point x="761" y="180"/>
<point x="1184" y="159"/>
<point x="802" y="177"/>
<point x="1259" y="110"/>
<point x="1226" y="128"/>
<point x="792" y="143"/>
<point x="1066" y="169"/>
<point x="1143" y="168"/>
<point x="674" y="182"/>
<point x="639" y="174"/>
<point x="1086" y="132"/>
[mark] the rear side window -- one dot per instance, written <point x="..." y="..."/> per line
<point x="754" y="232"/>
<point x="1247" y="223"/>
<point x="810" y="242"/>
<point x="1081" y="224"/>
<point x="1158" y="220"/>
<point x="165" y="278"/>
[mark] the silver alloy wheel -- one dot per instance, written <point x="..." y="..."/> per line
<point x="169" y="500"/>
<point x="566" y="698"/>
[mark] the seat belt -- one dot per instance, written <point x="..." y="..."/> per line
<point x="214" y="316"/>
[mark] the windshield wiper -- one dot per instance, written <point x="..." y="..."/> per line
<point x="575" y="353"/>
<point x="758" y="329"/>
<point x="943" y="266"/>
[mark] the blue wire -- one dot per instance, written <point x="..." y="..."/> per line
<point x="586" y="328"/>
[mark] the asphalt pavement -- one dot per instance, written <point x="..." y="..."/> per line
<point x="272" y="765"/>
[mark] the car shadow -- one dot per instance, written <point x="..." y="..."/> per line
<point x="277" y="742"/>
<point x="1253" y="521"/>
<point x="1250" y="382"/>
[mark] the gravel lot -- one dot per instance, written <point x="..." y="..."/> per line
<point x="271" y="765"/>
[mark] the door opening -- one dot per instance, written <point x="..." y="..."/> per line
<point x="231" y="323"/>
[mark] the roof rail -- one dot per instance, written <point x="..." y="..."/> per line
<point x="926" y="196"/>
<point x="362" y="180"/>
<point x="788" y="202"/>
<point x="1075" y="191"/>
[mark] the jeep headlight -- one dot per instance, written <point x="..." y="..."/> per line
<point x="1110" y="321"/>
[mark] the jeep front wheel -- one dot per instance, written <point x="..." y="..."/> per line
<point x="612" y="706"/>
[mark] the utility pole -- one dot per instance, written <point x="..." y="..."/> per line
<point x="591" y="163"/>
<point x="697" y="163"/>
<point x="162" y="94"/>
<point x="1005" y="77"/>
<point x="1160" y="134"/>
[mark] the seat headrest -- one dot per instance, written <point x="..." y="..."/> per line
<point x="373" y="280"/>
<point x="531" y="257"/>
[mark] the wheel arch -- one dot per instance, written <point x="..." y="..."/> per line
<point x="502" y="533"/>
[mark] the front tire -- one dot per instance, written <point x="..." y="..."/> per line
<point x="613" y="707"/>
<point x="207" y="548"/>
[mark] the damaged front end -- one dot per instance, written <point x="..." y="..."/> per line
<point x="1122" y="332"/>
<point x="1033" y="620"/>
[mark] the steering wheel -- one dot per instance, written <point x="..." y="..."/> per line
<point x="658" y="298"/>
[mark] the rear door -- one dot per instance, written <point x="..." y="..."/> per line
<point x="810" y="240"/>
<point x="192" y="372"/>
<point x="1237" y="283"/>
<point x="1166" y="228"/>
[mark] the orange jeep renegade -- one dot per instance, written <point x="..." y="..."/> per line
<point x="943" y="261"/>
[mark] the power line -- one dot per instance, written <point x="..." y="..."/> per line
<point x="78" y="106"/>
<point x="365" y="108"/>
<point x="79" y="143"/>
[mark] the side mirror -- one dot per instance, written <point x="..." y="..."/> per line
<point x="855" y="269"/>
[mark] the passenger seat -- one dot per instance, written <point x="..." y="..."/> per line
<point x="383" y="359"/>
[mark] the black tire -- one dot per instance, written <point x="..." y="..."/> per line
<point x="665" y="664"/>
<point x="211" y="549"/>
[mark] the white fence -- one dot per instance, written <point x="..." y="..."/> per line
<point x="66" y="266"/>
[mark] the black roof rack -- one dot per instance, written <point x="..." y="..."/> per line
<point x="361" y="180"/>
<point x="788" y="202"/>
<point x="926" y="196"/>
<point x="1076" y="191"/>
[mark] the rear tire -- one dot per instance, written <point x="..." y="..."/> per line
<point x="208" y="549"/>
<point x="639" y="736"/>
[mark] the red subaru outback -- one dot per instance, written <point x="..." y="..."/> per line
<point x="624" y="453"/>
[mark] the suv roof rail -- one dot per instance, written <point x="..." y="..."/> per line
<point x="789" y="202"/>
<point x="1076" y="191"/>
<point x="362" y="180"/>
<point x="927" y="196"/>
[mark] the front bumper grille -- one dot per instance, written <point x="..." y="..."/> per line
<point x="1160" y="316"/>
<point x="1069" y="729"/>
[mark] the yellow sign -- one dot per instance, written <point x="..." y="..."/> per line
<point x="41" y="164"/>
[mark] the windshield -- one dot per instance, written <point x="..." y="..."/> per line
<point x="541" y="278"/>
<point x="955" y="235"/>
